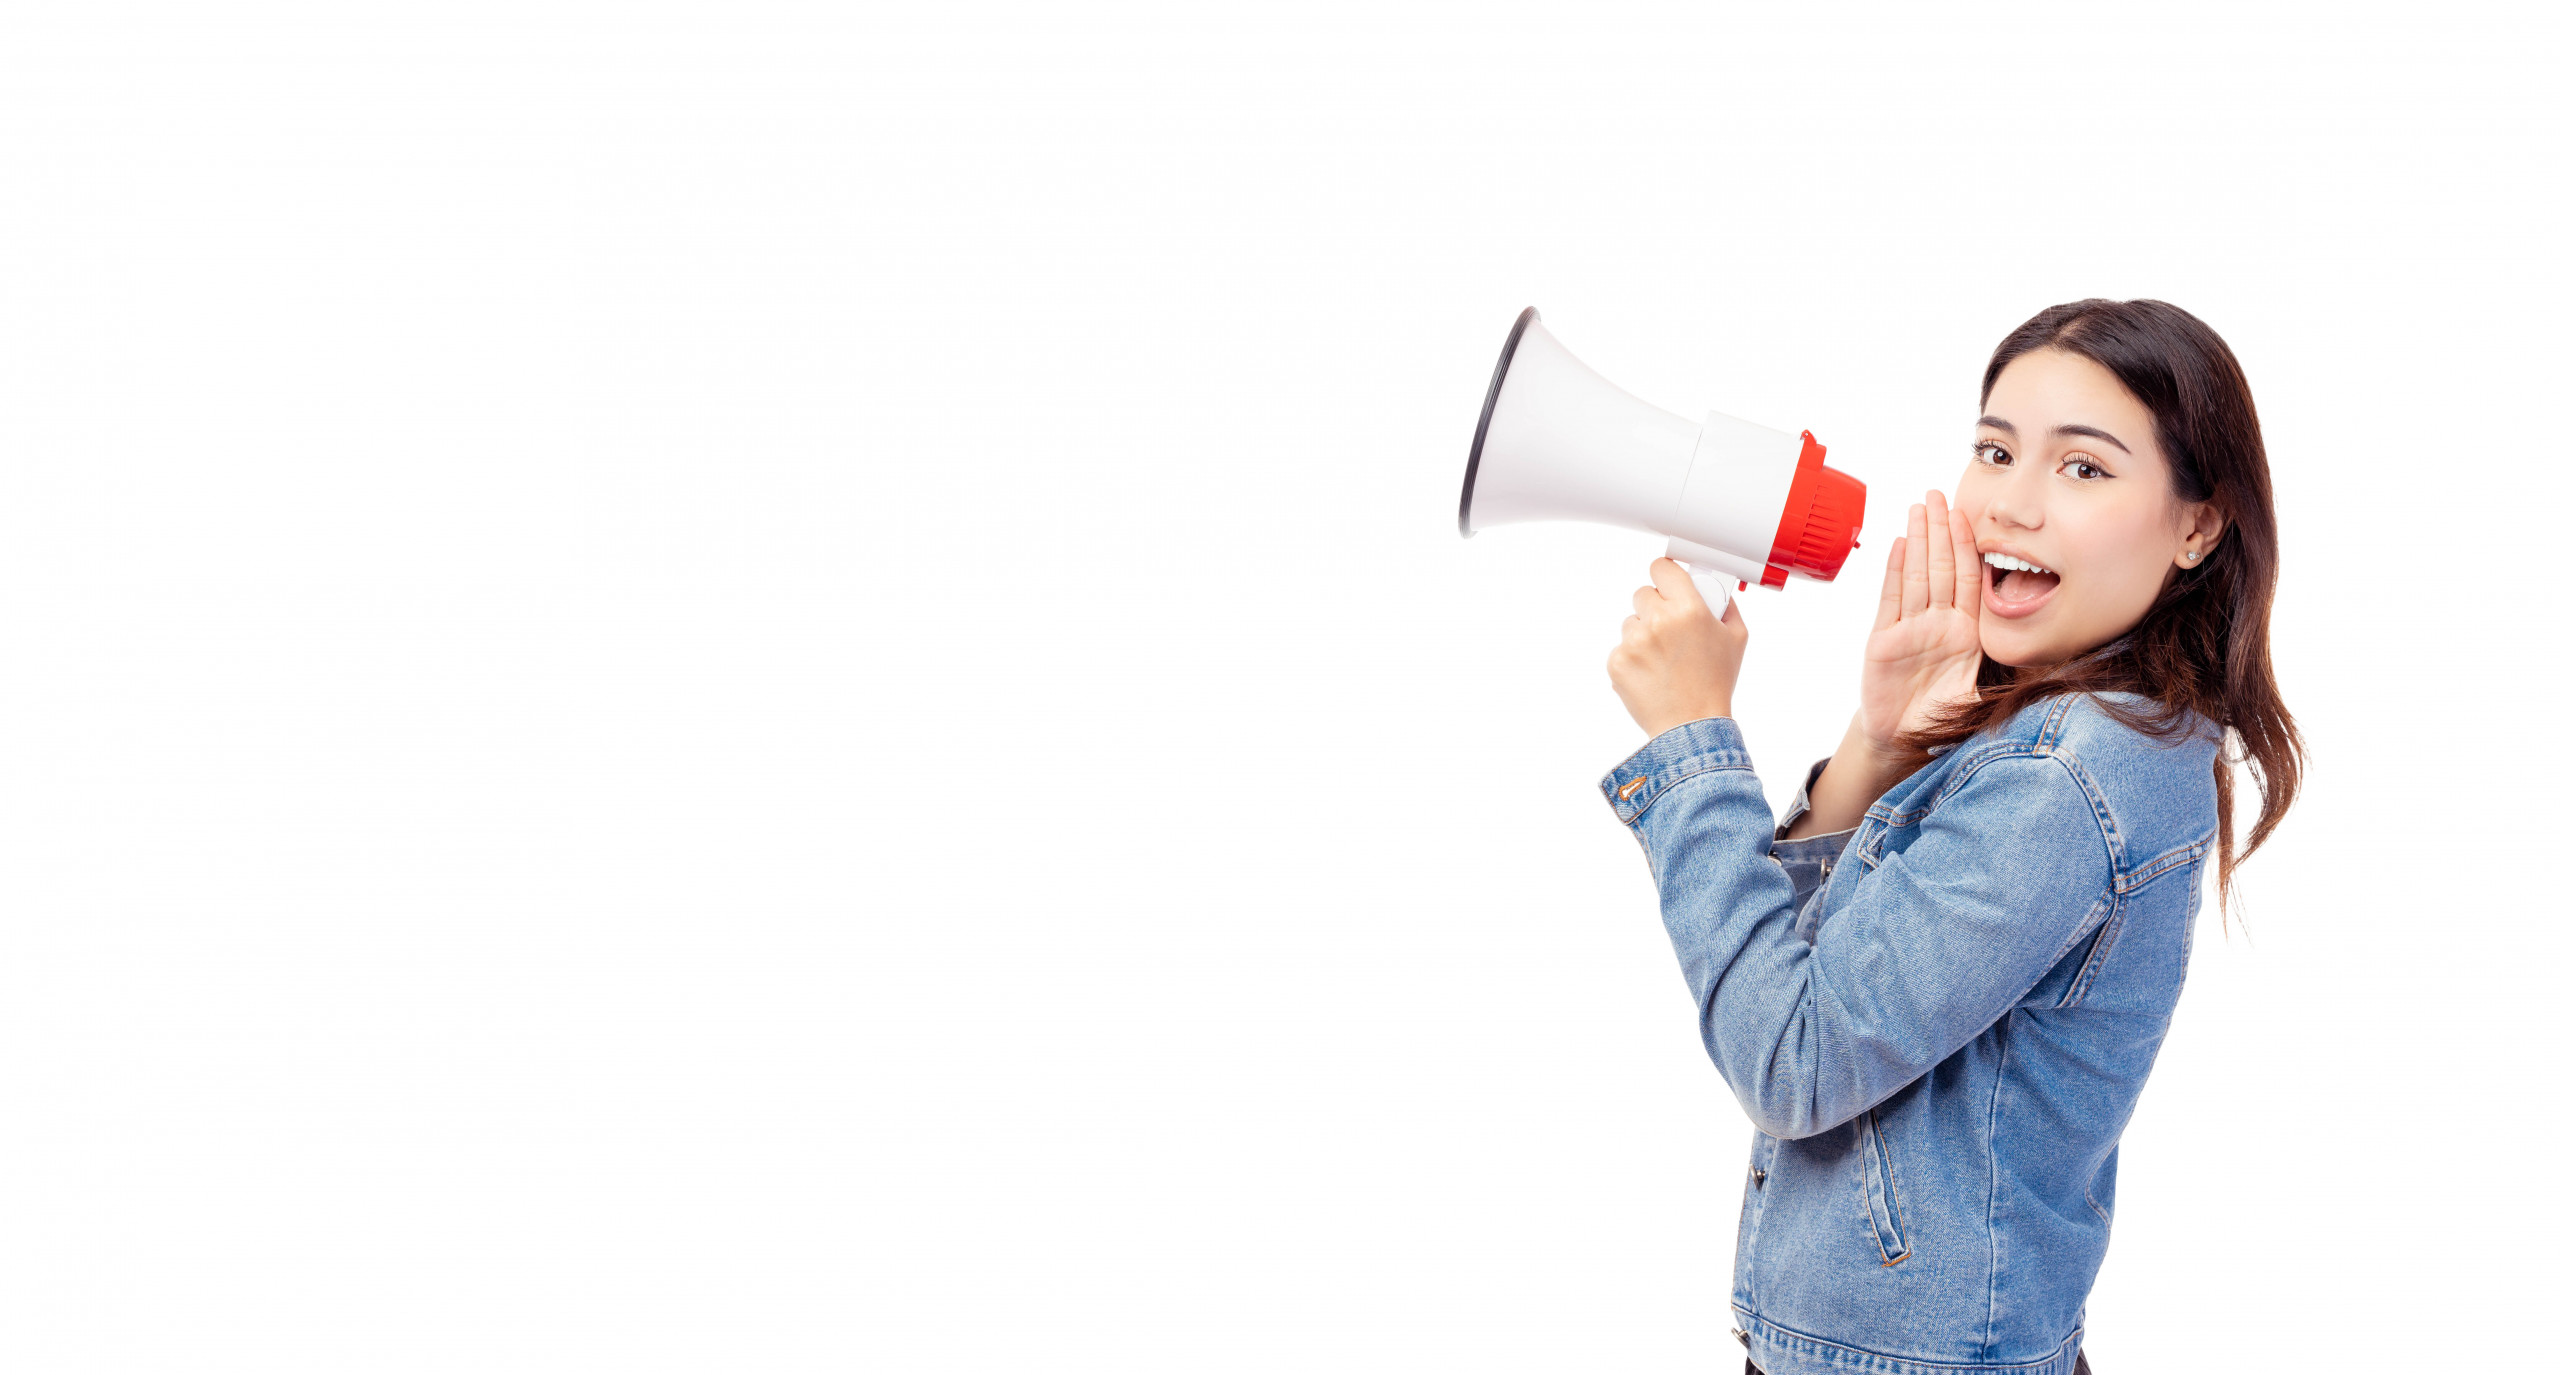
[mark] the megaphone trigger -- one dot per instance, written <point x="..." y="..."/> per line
<point x="1716" y="588"/>
<point x="1716" y="573"/>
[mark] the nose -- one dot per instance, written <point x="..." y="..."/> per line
<point x="2007" y="507"/>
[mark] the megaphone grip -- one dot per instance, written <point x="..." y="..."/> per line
<point x="1713" y="584"/>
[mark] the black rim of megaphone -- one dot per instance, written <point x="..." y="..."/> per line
<point x="1484" y="422"/>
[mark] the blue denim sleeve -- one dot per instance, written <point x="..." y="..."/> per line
<point x="1931" y="947"/>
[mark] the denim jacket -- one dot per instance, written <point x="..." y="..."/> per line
<point x="1939" y="1022"/>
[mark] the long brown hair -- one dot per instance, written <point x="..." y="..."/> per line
<point x="2202" y="647"/>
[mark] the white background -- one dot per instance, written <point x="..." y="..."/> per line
<point x="731" y="688"/>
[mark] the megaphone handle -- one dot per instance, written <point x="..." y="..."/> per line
<point x="1712" y="585"/>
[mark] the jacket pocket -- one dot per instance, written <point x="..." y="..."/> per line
<point x="1885" y="1219"/>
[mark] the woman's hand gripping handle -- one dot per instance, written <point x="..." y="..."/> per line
<point x="1676" y="659"/>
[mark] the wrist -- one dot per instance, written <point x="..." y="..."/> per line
<point x="1695" y="711"/>
<point x="1859" y="771"/>
<point x="1860" y="753"/>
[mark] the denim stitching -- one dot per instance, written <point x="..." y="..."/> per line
<point x="2187" y="926"/>
<point x="1975" y="765"/>
<point x="1755" y="1208"/>
<point x="1881" y="1190"/>
<point x="1991" y="1198"/>
<point x="1870" y="847"/>
<point x="1661" y="786"/>
<point x="1859" y="1358"/>
<point x="1867" y="1183"/>
<point x="2108" y="929"/>
<point x="1901" y="1216"/>
<point x="2167" y="861"/>
<point x="2106" y="817"/>
<point x="2051" y="736"/>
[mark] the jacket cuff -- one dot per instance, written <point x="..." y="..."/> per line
<point x="1818" y="852"/>
<point x="1684" y="751"/>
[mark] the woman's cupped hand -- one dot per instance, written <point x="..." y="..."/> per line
<point x="1926" y="647"/>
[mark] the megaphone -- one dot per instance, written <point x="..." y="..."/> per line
<point x="1558" y="441"/>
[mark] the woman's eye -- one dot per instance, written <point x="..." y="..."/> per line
<point x="2084" y="470"/>
<point x="1991" y="453"/>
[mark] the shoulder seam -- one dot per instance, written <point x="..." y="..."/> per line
<point x="2105" y="816"/>
<point x="2050" y="738"/>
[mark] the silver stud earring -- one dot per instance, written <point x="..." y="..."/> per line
<point x="2191" y="556"/>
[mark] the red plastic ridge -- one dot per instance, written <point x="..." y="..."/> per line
<point x="1824" y="513"/>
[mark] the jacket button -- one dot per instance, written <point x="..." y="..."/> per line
<point x="1759" y="1177"/>
<point x="1737" y="1336"/>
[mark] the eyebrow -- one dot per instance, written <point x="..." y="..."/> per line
<point x="2085" y="431"/>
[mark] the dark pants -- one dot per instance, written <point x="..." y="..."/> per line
<point x="2078" y="1367"/>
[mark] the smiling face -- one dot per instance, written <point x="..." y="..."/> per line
<point x="2074" y="509"/>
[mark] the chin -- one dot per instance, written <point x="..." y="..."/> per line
<point x="2011" y="650"/>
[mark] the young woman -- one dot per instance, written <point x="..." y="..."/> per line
<point x="1937" y="983"/>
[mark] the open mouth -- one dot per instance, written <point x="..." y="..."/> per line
<point x="2017" y="587"/>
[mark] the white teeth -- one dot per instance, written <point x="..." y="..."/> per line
<point x="2013" y="563"/>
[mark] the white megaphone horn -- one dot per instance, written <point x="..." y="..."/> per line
<point x="1558" y="441"/>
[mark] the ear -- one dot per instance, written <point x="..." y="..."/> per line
<point x="2202" y="528"/>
